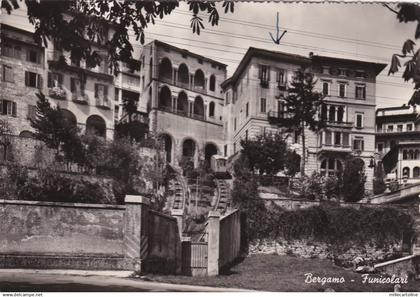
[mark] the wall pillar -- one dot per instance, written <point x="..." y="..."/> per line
<point x="213" y="229"/>
<point x="136" y="235"/>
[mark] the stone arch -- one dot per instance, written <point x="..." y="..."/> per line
<point x="212" y="85"/>
<point x="165" y="69"/>
<point x="96" y="125"/>
<point x="199" y="80"/>
<point x="182" y="103"/>
<point x="189" y="148"/>
<point x="199" y="106"/>
<point x="167" y="144"/>
<point x="183" y="74"/>
<point x="416" y="155"/>
<point x="212" y="108"/>
<point x="210" y="149"/>
<point x="406" y="172"/>
<point x="165" y="97"/>
<point x="416" y="172"/>
<point x="69" y="117"/>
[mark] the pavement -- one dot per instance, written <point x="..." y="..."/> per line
<point x="30" y="280"/>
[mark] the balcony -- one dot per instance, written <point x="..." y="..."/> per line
<point x="190" y="115"/>
<point x="337" y="148"/>
<point x="80" y="98"/>
<point x="339" y="124"/>
<point x="264" y="83"/>
<point x="57" y="93"/>
<point x="103" y="103"/>
<point x="276" y="117"/>
<point x="282" y="86"/>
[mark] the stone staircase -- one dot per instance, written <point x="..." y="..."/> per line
<point x="223" y="196"/>
<point x="176" y="185"/>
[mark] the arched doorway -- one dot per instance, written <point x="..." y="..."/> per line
<point x="165" y="69"/>
<point x="188" y="149"/>
<point x="183" y="75"/>
<point x="199" y="80"/>
<point x="182" y="104"/>
<point x="210" y="150"/>
<point x="199" y="106"/>
<point x="165" y="98"/>
<point x="166" y="141"/>
<point x="96" y="125"/>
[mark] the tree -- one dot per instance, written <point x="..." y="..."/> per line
<point x="408" y="12"/>
<point x="303" y="104"/>
<point x="55" y="130"/>
<point x="90" y="22"/>
<point x="266" y="153"/>
<point x="292" y="163"/>
<point x="354" y="179"/>
<point x="245" y="197"/>
<point x="5" y="138"/>
<point x="378" y="181"/>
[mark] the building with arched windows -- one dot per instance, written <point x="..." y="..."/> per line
<point x="181" y="92"/>
<point x="398" y="141"/>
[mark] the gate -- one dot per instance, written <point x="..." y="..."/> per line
<point x="194" y="258"/>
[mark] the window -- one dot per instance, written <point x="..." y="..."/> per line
<point x="380" y="147"/>
<point x="416" y="172"/>
<point x="406" y="172"/>
<point x="342" y="72"/>
<point x="234" y="124"/>
<point x="55" y="80"/>
<point x="116" y="112"/>
<point x="280" y="77"/>
<point x="325" y="70"/>
<point x="9" y="50"/>
<point x="247" y="109"/>
<point x="346" y="139"/>
<point x="390" y="128"/>
<point x="200" y="61"/>
<point x="31" y="112"/>
<point x="263" y="105"/>
<point x="76" y="86"/>
<point x="409" y="127"/>
<point x="33" y="80"/>
<point x="227" y="97"/>
<point x="116" y="94"/>
<point x="360" y="74"/>
<point x="359" y="120"/>
<point x="360" y="92"/>
<point x="331" y="167"/>
<point x="246" y="134"/>
<point x="264" y="75"/>
<point x="33" y="56"/>
<point x="328" y="138"/>
<point x="225" y="150"/>
<point x="8" y="73"/>
<point x="212" y="107"/>
<point x="337" y="140"/>
<point x="342" y="90"/>
<point x="234" y="96"/>
<point x="399" y="128"/>
<point x="326" y="88"/>
<point x="7" y="107"/>
<point x="101" y="92"/>
<point x="212" y="84"/>
<point x="358" y="144"/>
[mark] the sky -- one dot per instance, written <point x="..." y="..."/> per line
<point x="367" y="31"/>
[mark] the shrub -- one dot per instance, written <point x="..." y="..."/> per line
<point x="354" y="179"/>
<point x="311" y="188"/>
<point x="331" y="187"/>
<point x="378" y="182"/>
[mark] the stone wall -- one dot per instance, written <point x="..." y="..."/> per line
<point x="54" y="235"/>
<point x="342" y="254"/>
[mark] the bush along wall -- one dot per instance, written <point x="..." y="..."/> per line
<point x="334" y="232"/>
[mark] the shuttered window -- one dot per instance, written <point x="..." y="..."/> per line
<point x="33" y="80"/>
<point x="55" y="79"/>
<point x="8" y="107"/>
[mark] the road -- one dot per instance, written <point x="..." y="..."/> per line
<point x="33" y="281"/>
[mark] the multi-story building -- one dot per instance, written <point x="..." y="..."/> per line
<point x="254" y="93"/>
<point x="398" y="142"/>
<point x="181" y="92"/>
<point x="84" y="94"/>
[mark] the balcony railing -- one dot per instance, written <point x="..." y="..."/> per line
<point x="335" y="148"/>
<point x="57" y="93"/>
<point x="80" y="97"/>
<point x="340" y="124"/>
<point x="103" y="102"/>
<point x="189" y="115"/>
<point x="275" y="117"/>
<point x="282" y="86"/>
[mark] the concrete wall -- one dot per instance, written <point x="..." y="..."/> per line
<point x="88" y="236"/>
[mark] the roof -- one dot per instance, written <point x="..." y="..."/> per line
<point x="377" y="66"/>
<point x="164" y="44"/>
<point x="298" y="59"/>
<point x="393" y="108"/>
<point x="20" y="30"/>
<point x="259" y="52"/>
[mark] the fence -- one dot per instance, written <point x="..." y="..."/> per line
<point x="230" y="238"/>
<point x="194" y="258"/>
